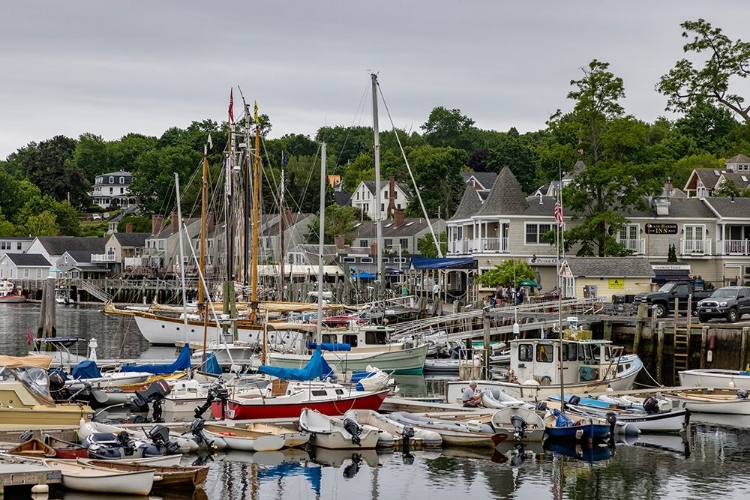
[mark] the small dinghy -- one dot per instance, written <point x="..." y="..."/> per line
<point x="521" y="423"/>
<point x="65" y="449"/>
<point x="418" y="438"/>
<point x="80" y="477"/>
<point x="292" y="438"/>
<point x="175" y="476"/>
<point x="453" y="432"/>
<point x="559" y="425"/>
<point x="241" y="439"/>
<point x="338" y="433"/>
<point x="35" y="448"/>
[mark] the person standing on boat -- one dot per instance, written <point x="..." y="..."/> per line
<point x="471" y="397"/>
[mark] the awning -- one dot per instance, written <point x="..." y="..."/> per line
<point x="666" y="275"/>
<point x="436" y="263"/>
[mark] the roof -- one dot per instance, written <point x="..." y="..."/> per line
<point x="410" y="227"/>
<point x="604" y="267"/>
<point x="506" y="197"/>
<point x="740" y="179"/>
<point x="708" y="177"/>
<point x="484" y="179"/>
<point x="541" y="206"/>
<point x="274" y="229"/>
<point x="28" y="259"/>
<point x="730" y="208"/>
<point x="384" y="184"/>
<point x="740" y="158"/>
<point x="470" y="204"/>
<point x="58" y="245"/>
<point x="342" y="198"/>
<point x="131" y="239"/>
<point x="80" y="256"/>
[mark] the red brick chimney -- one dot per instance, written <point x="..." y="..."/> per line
<point x="339" y="241"/>
<point x="373" y="248"/>
<point x="398" y="217"/>
<point x="129" y="227"/>
<point x="156" y="224"/>
<point x="175" y="223"/>
<point x="286" y="218"/>
<point x="668" y="186"/>
<point x="210" y="222"/>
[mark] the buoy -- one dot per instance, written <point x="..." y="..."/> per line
<point x="712" y="342"/>
<point x="709" y="356"/>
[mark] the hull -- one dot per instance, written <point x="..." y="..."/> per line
<point x="452" y="433"/>
<point x="579" y="432"/>
<point x="724" y="379"/>
<point x="715" y="404"/>
<point x="672" y="422"/>
<point x="171" y="477"/>
<point x="42" y="416"/>
<point x="401" y="361"/>
<point x="85" y="478"/>
<point x="244" y="440"/>
<point x="12" y="299"/>
<point x="330" y="432"/>
<point x="292" y="438"/>
<point x="420" y="438"/>
<point x="166" y="331"/>
<point x="267" y="409"/>
<point x="502" y="420"/>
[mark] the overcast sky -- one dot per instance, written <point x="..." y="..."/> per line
<point x="114" y="67"/>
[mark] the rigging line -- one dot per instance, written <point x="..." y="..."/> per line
<point x="411" y="174"/>
<point x="309" y="177"/>
<point x="359" y="113"/>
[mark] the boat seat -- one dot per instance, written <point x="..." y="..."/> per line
<point x="278" y="387"/>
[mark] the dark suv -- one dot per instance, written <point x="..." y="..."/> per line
<point x="729" y="302"/>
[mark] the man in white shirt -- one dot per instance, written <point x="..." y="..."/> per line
<point x="471" y="397"/>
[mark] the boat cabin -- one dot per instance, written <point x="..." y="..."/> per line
<point x="582" y="360"/>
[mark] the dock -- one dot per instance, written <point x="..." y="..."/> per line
<point x="35" y="477"/>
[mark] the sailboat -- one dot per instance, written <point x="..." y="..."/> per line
<point x="358" y="347"/>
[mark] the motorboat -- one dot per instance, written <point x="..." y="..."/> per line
<point x="522" y="424"/>
<point x="713" y="378"/>
<point x="173" y="477"/>
<point x="453" y="432"/>
<point x="242" y="439"/>
<point x="9" y="294"/>
<point x="564" y="426"/>
<point x="338" y="433"/>
<point x="292" y="437"/>
<point x="401" y="433"/>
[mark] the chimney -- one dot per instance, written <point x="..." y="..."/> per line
<point x="175" y="223"/>
<point x="373" y="248"/>
<point x="210" y="222"/>
<point x="156" y="224"/>
<point x="129" y="227"/>
<point x="340" y="242"/>
<point x="398" y="217"/>
<point x="668" y="186"/>
<point x="391" y="194"/>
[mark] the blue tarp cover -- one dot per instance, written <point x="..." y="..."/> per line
<point x="181" y="363"/>
<point x="86" y="369"/>
<point x="317" y="368"/>
<point x="437" y="263"/>
<point x="562" y="420"/>
<point x="212" y="365"/>
<point x="330" y="347"/>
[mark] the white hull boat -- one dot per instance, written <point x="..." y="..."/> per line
<point x="454" y="432"/>
<point x="243" y="439"/>
<point x="292" y="438"/>
<point x="338" y="433"/>
<point x="726" y="404"/>
<point x="80" y="477"/>
<point x="522" y="424"/>
<point x="715" y="379"/>
<point x="396" y="358"/>
<point x="419" y="438"/>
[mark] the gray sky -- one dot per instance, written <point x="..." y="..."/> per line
<point x="111" y="68"/>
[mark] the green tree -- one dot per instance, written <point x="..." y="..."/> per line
<point x="43" y="224"/>
<point x="511" y="150"/>
<point x="449" y="128"/>
<point x="614" y="181"/>
<point x="49" y="166"/>
<point x="140" y="224"/>
<point x="91" y="156"/>
<point x="153" y="177"/>
<point x="339" y="220"/>
<point x="672" y="254"/>
<point x="508" y="273"/>
<point x="426" y="245"/>
<point x="687" y="85"/>
<point x="429" y="165"/>
<point x="708" y="126"/>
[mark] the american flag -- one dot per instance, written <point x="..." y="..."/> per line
<point x="558" y="214"/>
<point x="231" y="105"/>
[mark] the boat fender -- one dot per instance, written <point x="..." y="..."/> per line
<point x="546" y="380"/>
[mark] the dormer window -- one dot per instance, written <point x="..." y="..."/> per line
<point x="111" y="179"/>
<point x="122" y="180"/>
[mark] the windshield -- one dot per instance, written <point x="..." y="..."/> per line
<point x="725" y="293"/>
<point x="667" y="287"/>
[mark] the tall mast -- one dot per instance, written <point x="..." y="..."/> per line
<point x="256" y="202"/>
<point x="204" y="202"/>
<point x="378" y="214"/>
<point x="321" y="239"/>
<point x="182" y="256"/>
<point x="282" y="228"/>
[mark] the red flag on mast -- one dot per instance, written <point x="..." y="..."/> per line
<point x="231" y="106"/>
<point x="558" y="214"/>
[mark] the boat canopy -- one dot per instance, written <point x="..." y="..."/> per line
<point x="317" y="368"/>
<point x="330" y="346"/>
<point x="38" y="360"/>
<point x="444" y="263"/>
<point x="86" y="369"/>
<point x="180" y="364"/>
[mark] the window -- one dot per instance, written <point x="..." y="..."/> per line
<point x="18" y="245"/>
<point x="694" y="232"/>
<point x="26" y="272"/>
<point x="111" y="190"/>
<point x="404" y="243"/>
<point x="628" y="236"/>
<point x="366" y="207"/>
<point x="395" y="195"/>
<point x="375" y="337"/>
<point x="5" y="245"/>
<point x="161" y="244"/>
<point x="38" y="273"/>
<point x="382" y="207"/>
<point x="534" y="233"/>
<point x="349" y="259"/>
<point x="366" y="260"/>
<point x="525" y="352"/>
<point x="122" y="190"/>
<point x="358" y="196"/>
<point x="544" y="353"/>
<point x="385" y="195"/>
<point x="111" y="179"/>
<point x="122" y="180"/>
<point x="363" y="244"/>
<point x="388" y="242"/>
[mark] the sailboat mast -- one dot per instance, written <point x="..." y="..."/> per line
<point x="378" y="214"/>
<point x="182" y="256"/>
<point x="321" y="239"/>
<point x="560" y="281"/>
<point x="256" y="217"/>
<point x="204" y="202"/>
<point x="282" y="228"/>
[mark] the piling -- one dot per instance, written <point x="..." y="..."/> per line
<point x="704" y="342"/>
<point x="743" y="349"/>
<point x="660" y="354"/>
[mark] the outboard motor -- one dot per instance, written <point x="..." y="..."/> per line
<point x="741" y="394"/>
<point x="103" y="446"/>
<point x="216" y="391"/>
<point x="196" y="429"/>
<point x="541" y="406"/>
<point x="406" y="435"/>
<point x="159" y="435"/>
<point x="353" y="428"/>
<point x="651" y="405"/>
<point x="154" y="394"/>
<point x="351" y="470"/>
<point x="574" y="400"/>
<point x="57" y="388"/>
<point x="123" y="437"/>
<point x="519" y="427"/>
<point x="26" y="436"/>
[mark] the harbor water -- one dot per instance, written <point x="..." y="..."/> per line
<point x="710" y="461"/>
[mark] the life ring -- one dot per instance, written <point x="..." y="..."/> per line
<point x="545" y="380"/>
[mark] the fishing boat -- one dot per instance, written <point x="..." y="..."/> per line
<point x="241" y="439"/>
<point x="9" y="294"/>
<point x="175" y="476"/>
<point x="25" y="398"/>
<point x="453" y="432"/>
<point x="588" y="365"/>
<point x="416" y="437"/>
<point x="523" y="424"/>
<point x="81" y="477"/>
<point x="715" y="378"/>
<point x="338" y="433"/>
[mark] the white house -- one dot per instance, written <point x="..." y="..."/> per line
<point x="113" y="189"/>
<point x="393" y="195"/>
<point x="23" y="266"/>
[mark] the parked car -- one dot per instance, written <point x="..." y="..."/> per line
<point x="729" y="302"/>
<point x="96" y="217"/>
<point x="662" y="301"/>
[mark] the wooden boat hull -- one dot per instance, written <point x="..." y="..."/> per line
<point x="44" y="416"/>
<point x="12" y="299"/>
<point x="714" y="404"/>
<point x="292" y="438"/>
<point x="171" y="477"/>
<point x="79" y="477"/>
<point x="276" y="408"/>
